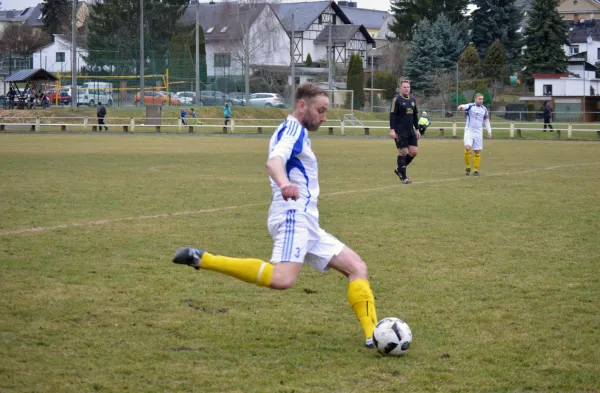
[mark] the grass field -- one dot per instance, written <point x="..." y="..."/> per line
<point x="498" y="276"/>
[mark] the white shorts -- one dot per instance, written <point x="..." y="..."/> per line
<point x="298" y="238"/>
<point x="474" y="139"/>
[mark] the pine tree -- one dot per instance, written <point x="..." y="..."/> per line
<point x="113" y="34"/>
<point x="495" y="64"/>
<point x="497" y="20"/>
<point x="545" y="36"/>
<point x="201" y="52"/>
<point x="434" y="52"/>
<point x="356" y="80"/>
<point x="421" y="63"/>
<point x="56" y="15"/>
<point x="409" y="13"/>
<point x="451" y="43"/>
<point x="308" y="60"/>
<point x="469" y="63"/>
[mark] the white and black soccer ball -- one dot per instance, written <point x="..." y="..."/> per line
<point x="392" y="336"/>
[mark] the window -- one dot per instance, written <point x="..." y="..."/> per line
<point x="210" y="30"/>
<point x="310" y="80"/>
<point x="574" y="49"/>
<point x="297" y="80"/>
<point x="598" y="55"/>
<point x="547" y="90"/>
<point x="320" y="20"/>
<point x="222" y="60"/>
<point x="60" y="57"/>
<point x="24" y="11"/>
<point x="40" y="17"/>
<point x="224" y="29"/>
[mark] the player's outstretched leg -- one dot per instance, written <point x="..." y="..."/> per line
<point x="254" y="271"/>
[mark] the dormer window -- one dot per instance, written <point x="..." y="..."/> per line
<point x="224" y="29"/>
<point x="210" y="30"/>
<point x="24" y="11"/>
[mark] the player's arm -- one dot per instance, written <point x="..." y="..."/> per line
<point x="286" y="148"/>
<point x="416" y="119"/>
<point x="488" y="127"/>
<point x="276" y="169"/>
<point x="393" y="112"/>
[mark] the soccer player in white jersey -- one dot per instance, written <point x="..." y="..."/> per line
<point x="477" y="116"/>
<point x="293" y="219"/>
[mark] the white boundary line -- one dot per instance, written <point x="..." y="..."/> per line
<point x="225" y="208"/>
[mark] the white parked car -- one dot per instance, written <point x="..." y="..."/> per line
<point x="183" y="99"/>
<point x="267" y="100"/>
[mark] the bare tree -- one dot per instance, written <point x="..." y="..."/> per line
<point x="445" y="83"/>
<point x="22" y="40"/>
<point x="394" y="55"/>
<point x="260" y="36"/>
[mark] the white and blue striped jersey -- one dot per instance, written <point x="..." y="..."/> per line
<point x="291" y="143"/>
<point x="475" y="117"/>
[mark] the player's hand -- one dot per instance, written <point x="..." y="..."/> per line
<point x="489" y="135"/>
<point x="393" y="134"/>
<point x="460" y="107"/>
<point x="418" y="134"/>
<point x="290" y="191"/>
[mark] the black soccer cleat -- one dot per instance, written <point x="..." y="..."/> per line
<point x="189" y="256"/>
<point x="468" y="171"/>
<point x="406" y="180"/>
<point x="476" y="173"/>
<point x="369" y="343"/>
<point x="397" y="173"/>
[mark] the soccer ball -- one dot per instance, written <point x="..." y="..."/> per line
<point x="392" y="336"/>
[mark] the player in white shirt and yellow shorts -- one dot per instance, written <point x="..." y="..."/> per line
<point x="477" y="117"/>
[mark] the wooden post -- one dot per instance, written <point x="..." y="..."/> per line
<point x="519" y="133"/>
<point x="132" y="124"/>
<point x="453" y="129"/>
<point x="37" y="124"/>
<point x="441" y="132"/>
<point x="330" y="131"/>
<point x="179" y="125"/>
<point x="367" y="132"/>
<point x="512" y="129"/>
<point x="558" y="134"/>
<point x="63" y="127"/>
<point x="570" y="131"/>
<point x="158" y="129"/>
<point x="191" y="130"/>
<point x="342" y="127"/>
<point x="232" y="126"/>
<point x="260" y="130"/>
<point x="85" y="123"/>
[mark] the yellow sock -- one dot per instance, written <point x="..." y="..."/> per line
<point x="253" y="271"/>
<point x="468" y="158"/>
<point x="362" y="301"/>
<point x="476" y="161"/>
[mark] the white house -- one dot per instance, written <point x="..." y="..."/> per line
<point x="225" y="27"/>
<point x="56" y="57"/>
<point x="584" y="35"/>
<point x="312" y="22"/>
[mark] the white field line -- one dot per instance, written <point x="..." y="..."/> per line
<point x="225" y="208"/>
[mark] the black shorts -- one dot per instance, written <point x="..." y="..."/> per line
<point x="405" y="139"/>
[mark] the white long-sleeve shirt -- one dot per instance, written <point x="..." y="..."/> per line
<point x="291" y="143"/>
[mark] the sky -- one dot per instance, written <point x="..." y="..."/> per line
<point x="383" y="5"/>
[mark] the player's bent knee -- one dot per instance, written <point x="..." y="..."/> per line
<point x="284" y="275"/>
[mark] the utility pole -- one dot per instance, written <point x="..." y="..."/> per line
<point x="246" y="57"/>
<point x="73" y="56"/>
<point x="142" y="57"/>
<point x="293" y="61"/>
<point x="197" y="52"/>
<point x="329" y="48"/>
<point x="372" y="56"/>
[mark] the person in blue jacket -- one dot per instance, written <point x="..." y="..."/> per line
<point x="227" y="113"/>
